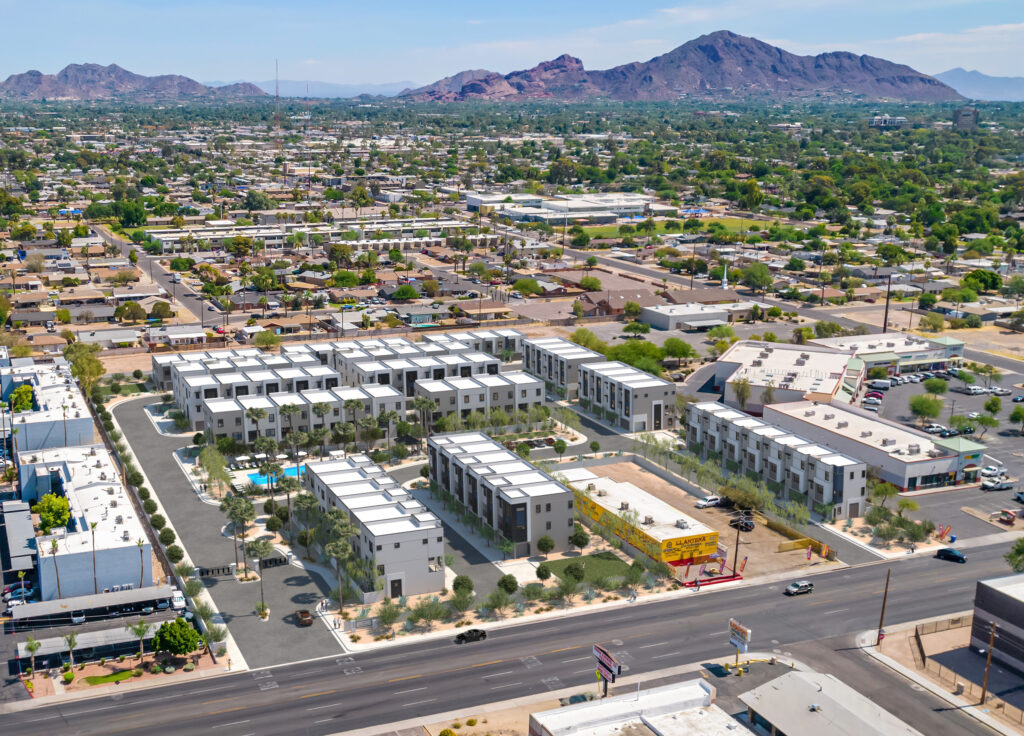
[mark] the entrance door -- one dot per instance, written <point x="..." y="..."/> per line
<point x="396" y="588"/>
<point x="657" y="416"/>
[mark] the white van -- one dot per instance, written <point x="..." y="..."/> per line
<point x="880" y="384"/>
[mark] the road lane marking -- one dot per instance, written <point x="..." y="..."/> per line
<point x="226" y="710"/>
<point x="91" y="710"/>
<point x="670" y="654"/>
<point x="331" y="705"/>
<point x="575" y="659"/>
<point x="233" y="723"/>
<point x="499" y="674"/>
<point x="588" y="670"/>
<point x="324" y="720"/>
<point x="317" y="695"/>
<point x="510" y="684"/>
<point x="648" y="646"/>
<point x="419" y="702"/>
<point x="408" y="677"/>
<point x="563" y="649"/>
<point x="838" y="610"/>
<point x="485" y="664"/>
<point x="415" y="689"/>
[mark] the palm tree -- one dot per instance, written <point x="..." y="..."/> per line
<point x="368" y="424"/>
<point x="228" y="507"/>
<point x="92" y="529"/>
<point x="306" y="505"/>
<point x="139" y="631"/>
<point x="341" y="433"/>
<point x="384" y="420"/>
<point x="260" y="549"/>
<point x="289" y="486"/>
<point x="318" y="437"/>
<point x="142" y="563"/>
<point x="425" y="407"/>
<point x="321" y="409"/>
<point x="71" y="640"/>
<point x="256" y="414"/>
<point x="339" y="550"/>
<point x="32" y="646"/>
<point x="56" y="567"/>
<point x="355" y="406"/>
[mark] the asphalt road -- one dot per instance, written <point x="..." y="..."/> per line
<point x="339" y="693"/>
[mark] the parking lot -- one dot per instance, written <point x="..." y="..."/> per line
<point x="1004" y="448"/>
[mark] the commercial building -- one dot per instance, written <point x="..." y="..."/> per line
<point x="693" y="316"/>
<point x="399" y="540"/>
<point x="507" y="493"/>
<point x="642" y="521"/>
<point x="1000" y="601"/>
<point x="817" y="704"/>
<point x="897" y="352"/>
<point x="766" y="373"/>
<point x="86" y="476"/>
<point x="909" y="459"/>
<point x="59" y="416"/>
<point x="510" y="392"/>
<point x="232" y="418"/>
<point x="828" y="482"/>
<point x="627" y="397"/>
<point x="679" y="709"/>
<point x="556" y="362"/>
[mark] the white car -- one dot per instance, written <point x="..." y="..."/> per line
<point x="974" y="415"/>
<point x="872" y="401"/>
<point x="915" y="378"/>
<point x="177" y="600"/>
<point x="991" y="471"/>
<point x="934" y="428"/>
<point x="708" y="501"/>
<point x="1001" y="391"/>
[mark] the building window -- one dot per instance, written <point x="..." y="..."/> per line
<point x="425" y="540"/>
<point x="378" y="548"/>
<point x="440" y="539"/>
<point x="397" y="545"/>
<point x="548" y="525"/>
<point x="570" y="523"/>
<point x="538" y="508"/>
<point x="570" y="503"/>
<point x="380" y="569"/>
<point x="548" y="508"/>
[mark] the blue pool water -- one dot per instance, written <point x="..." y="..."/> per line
<point x="261" y="479"/>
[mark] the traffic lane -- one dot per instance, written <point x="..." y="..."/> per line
<point x="653" y="637"/>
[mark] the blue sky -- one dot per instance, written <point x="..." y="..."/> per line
<point x="401" y="40"/>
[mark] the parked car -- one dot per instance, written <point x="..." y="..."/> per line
<point x="709" y="501"/>
<point x="12" y="604"/>
<point x="471" y="635"/>
<point x="974" y="415"/>
<point x="799" y="587"/>
<point x="744" y="525"/>
<point x="177" y="600"/>
<point x="870" y="407"/>
<point x="1001" y="391"/>
<point x="20" y="593"/>
<point x="1019" y="497"/>
<point x="1018" y="399"/>
<point x="874" y="395"/>
<point x="915" y="378"/>
<point x="996" y="484"/>
<point x="304" y="618"/>
<point x="967" y="429"/>
<point x="974" y="390"/>
<point x="17" y="586"/>
<point x="953" y="555"/>
<point x="952" y="432"/>
<point x="78" y="617"/>
<point x="549" y="441"/>
<point x="872" y="401"/>
<point x="934" y="428"/>
<point x="991" y="471"/>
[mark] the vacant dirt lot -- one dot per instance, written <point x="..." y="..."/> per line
<point x="760" y="546"/>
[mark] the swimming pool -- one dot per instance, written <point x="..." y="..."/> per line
<point x="290" y="471"/>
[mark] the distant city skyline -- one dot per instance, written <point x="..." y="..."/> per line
<point x="350" y="43"/>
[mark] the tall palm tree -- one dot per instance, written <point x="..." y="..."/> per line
<point x="321" y="409"/>
<point x="32" y="646"/>
<point x="306" y="505"/>
<point x="339" y="550"/>
<point x="139" y="631"/>
<point x="92" y="530"/>
<point x="368" y="424"/>
<point x="384" y="421"/>
<point x="355" y="406"/>
<point x="260" y="549"/>
<point x="71" y="641"/>
<point x="425" y="407"/>
<point x="256" y="414"/>
<point x="142" y="563"/>
<point x="56" y="567"/>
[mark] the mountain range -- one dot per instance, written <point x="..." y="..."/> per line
<point x="720" y="64"/>
<point x="980" y="86"/>
<point x="307" y="88"/>
<point x="96" y="82"/>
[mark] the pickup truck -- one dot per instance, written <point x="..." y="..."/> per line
<point x="996" y="484"/>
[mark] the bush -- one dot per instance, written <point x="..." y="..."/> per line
<point x="149" y="505"/>
<point x="175" y="554"/>
<point x="462" y="582"/>
<point x="134" y="477"/>
<point x="269" y="505"/>
<point x="543" y="571"/>
<point x="192" y="587"/>
<point x="68" y="677"/>
<point x="65" y="667"/>
<point x="274" y="524"/>
<point x="281" y="512"/>
<point x="143" y="493"/>
<point x="167" y="536"/>
<point x="157" y="521"/>
<point x="188" y="667"/>
<point x="447" y="732"/>
<point x="508" y="583"/>
<point x="121" y="658"/>
<point x="137" y="374"/>
<point x="574" y="571"/>
<point x="137" y="672"/>
<point x="155" y="669"/>
<point x="168" y="670"/>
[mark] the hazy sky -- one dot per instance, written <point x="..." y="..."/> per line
<point x="400" y="40"/>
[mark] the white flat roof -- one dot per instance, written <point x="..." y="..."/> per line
<point x="791" y="367"/>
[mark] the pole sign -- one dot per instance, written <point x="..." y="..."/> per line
<point x="607" y="666"/>
<point x="739" y="635"/>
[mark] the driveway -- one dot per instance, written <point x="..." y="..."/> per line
<point x="198" y="525"/>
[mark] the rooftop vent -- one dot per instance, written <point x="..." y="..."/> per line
<point x="866" y="433"/>
<point x="119" y="519"/>
<point x="842" y="424"/>
<point x="682" y="523"/>
<point x="648" y="519"/>
<point x="913" y="449"/>
<point x="624" y="506"/>
<point x="830" y="416"/>
<point x="125" y="536"/>
<point x="887" y="441"/>
<point x="809" y="413"/>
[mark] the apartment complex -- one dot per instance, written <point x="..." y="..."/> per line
<point x="909" y="459"/>
<point x="398" y="538"/>
<point x="493" y="342"/>
<point x="232" y="417"/>
<point x="766" y="373"/>
<point x="59" y="416"/>
<point x="628" y="397"/>
<point x="826" y="481"/>
<point x="162" y="363"/>
<point x="556" y="362"/>
<point x="86" y="476"/>
<point x="511" y="392"/>
<point x="507" y="493"/>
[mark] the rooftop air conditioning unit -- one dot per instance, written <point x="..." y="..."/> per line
<point x="624" y="506"/>
<point x="913" y="449"/>
<point x="809" y="413"/>
<point x="110" y="491"/>
<point x="113" y="503"/>
<point x="805" y="356"/>
<point x="842" y="424"/>
<point x="115" y="589"/>
<point x="648" y="519"/>
<point x="866" y="433"/>
<point x="602" y="493"/>
<point x="830" y="416"/>
<point x="886" y="441"/>
<point x="125" y="536"/>
<point x="682" y="523"/>
<point x="119" y="519"/>
<point x="801" y="361"/>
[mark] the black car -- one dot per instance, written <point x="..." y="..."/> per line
<point x="953" y="555"/>
<point x="1019" y="398"/>
<point x="969" y="429"/>
<point x="471" y="635"/>
<point x="744" y="525"/>
<point x="949" y="433"/>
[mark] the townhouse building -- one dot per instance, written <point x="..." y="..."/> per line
<point x="828" y="482"/>
<point x="493" y="342"/>
<point x="511" y="392"/>
<point x="628" y="397"/>
<point x="58" y="417"/>
<point x="556" y="362"/>
<point x="400" y="541"/>
<point x="508" y="494"/>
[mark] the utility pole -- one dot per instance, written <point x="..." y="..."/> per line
<point x="888" y="289"/>
<point x="881" y="619"/>
<point x="988" y="662"/>
<point x="736" y="557"/>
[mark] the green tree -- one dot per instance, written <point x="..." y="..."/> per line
<point x="545" y="545"/>
<point x="1017" y="417"/>
<point x="176" y="637"/>
<point x="580" y="538"/>
<point x="590" y="283"/>
<point x="741" y="388"/>
<point x="32" y="646"/>
<point x="1015" y="557"/>
<point x="266" y="340"/>
<point x="757" y="277"/>
<point x="679" y="349"/>
<point x="935" y="386"/>
<point x="405" y="292"/>
<point x="140" y="630"/>
<point x="637" y="328"/>
<point x="559" y="447"/>
<point x="508" y="583"/>
<point x="528" y="287"/>
<point x="22" y="398"/>
<point x="54" y="512"/>
<point x="387" y="614"/>
<point x="925" y="407"/>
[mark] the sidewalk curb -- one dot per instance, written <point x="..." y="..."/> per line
<point x="864" y="642"/>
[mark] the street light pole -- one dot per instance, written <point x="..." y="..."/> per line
<point x="988" y="662"/>
<point x="885" y="597"/>
<point x="888" y="290"/>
